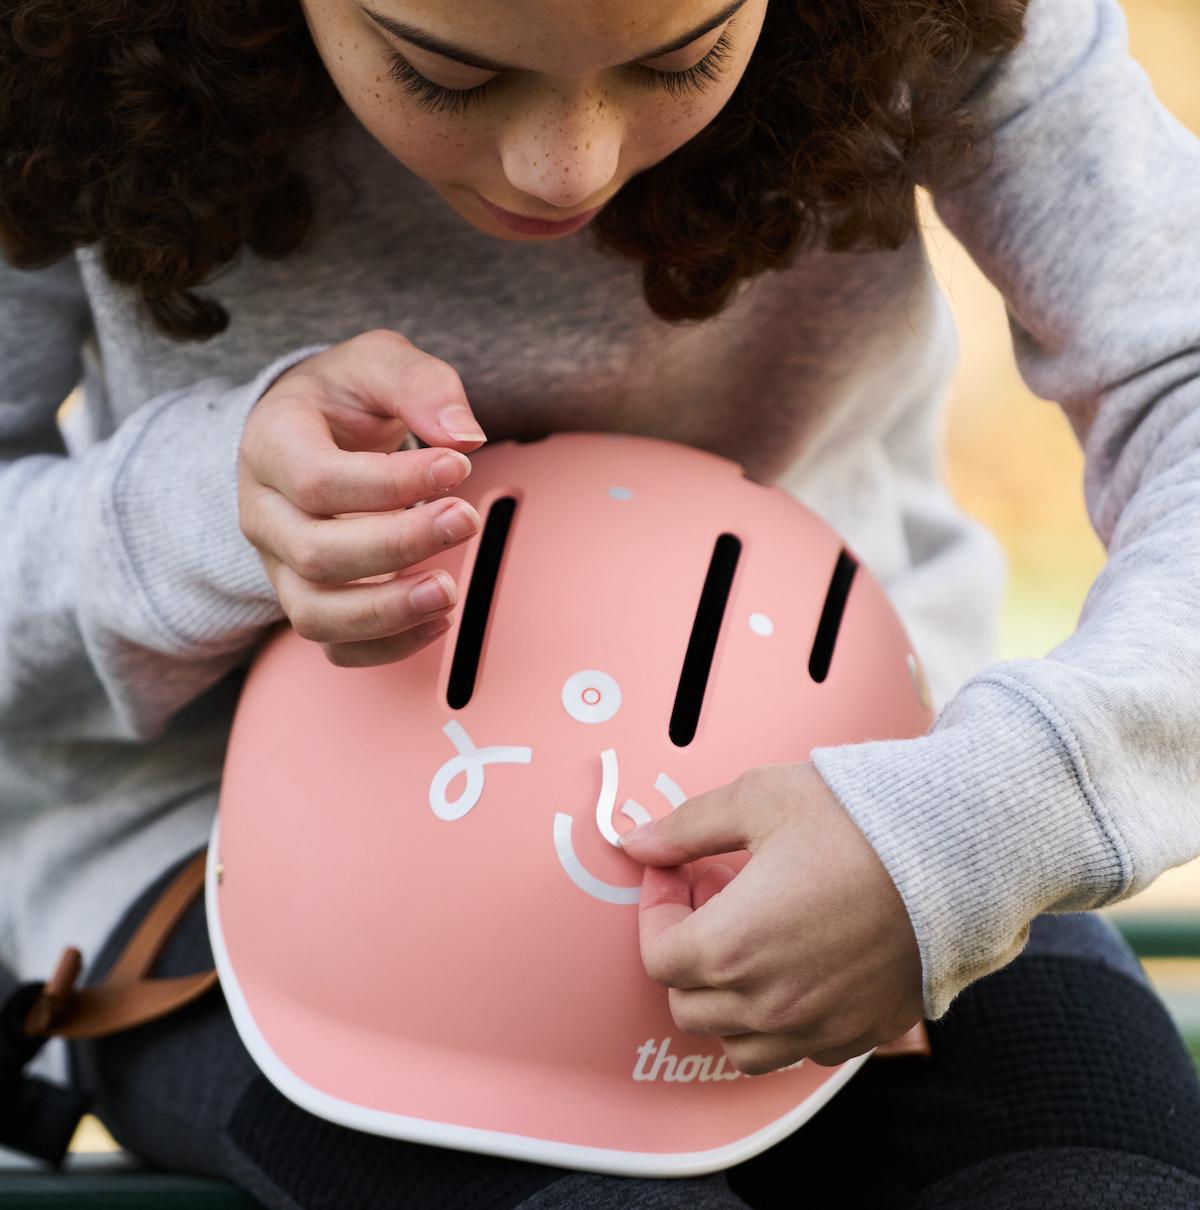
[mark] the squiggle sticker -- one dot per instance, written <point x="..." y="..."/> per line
<point x="609" y="776"/>
<point x="578" y="873"/>
<point x="469" y="761"/>
<point x="670" y="791"/>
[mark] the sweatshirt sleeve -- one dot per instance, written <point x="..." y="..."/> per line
<point x="1069" y="782"/>
<point x="126" y="585"/>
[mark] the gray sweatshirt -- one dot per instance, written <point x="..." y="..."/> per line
<point x="130" y="601"/>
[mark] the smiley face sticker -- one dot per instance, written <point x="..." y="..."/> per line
<point x="589" y="696"/>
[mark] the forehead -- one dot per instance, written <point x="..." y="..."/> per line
<point x="572" y="34"/>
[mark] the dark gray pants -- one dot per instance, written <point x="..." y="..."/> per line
<point x="1058" y="1082"/>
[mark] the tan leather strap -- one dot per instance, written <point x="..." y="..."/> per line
<point x="125" y="997"/>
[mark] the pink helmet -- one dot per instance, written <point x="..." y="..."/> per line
<point x="421" y="919"/>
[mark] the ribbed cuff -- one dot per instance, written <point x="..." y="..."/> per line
<point x="175" y="513"/>
<point x="984" y="823"/>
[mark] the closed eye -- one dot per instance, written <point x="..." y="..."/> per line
<point x="436" y="98"/>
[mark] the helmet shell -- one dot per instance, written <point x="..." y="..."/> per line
<point x="421" y="920"/>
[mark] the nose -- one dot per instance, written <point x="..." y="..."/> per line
<point x="563" y="154"/>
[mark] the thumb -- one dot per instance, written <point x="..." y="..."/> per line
<point x="709" y="882"/>
<point x="390" y="376"/>
<point x="377" y="387"/>
<point x="716" y="822"/>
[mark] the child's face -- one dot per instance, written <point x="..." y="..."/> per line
<point x="576" y="110"/>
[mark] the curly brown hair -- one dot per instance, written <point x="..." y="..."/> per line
<point x="162" y="129"/>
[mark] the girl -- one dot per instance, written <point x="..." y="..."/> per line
<point x="298" y="254"/>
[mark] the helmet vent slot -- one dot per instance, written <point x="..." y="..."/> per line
<point x="697" y="662"/>
<point x="477" y="607"/>
<point x="821" y="655"/>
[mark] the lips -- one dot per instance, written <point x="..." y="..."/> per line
<point x="532" y="226"/>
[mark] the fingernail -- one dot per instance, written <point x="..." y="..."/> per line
<point x="450" y="469"/>
<point x="454" y="524"/>
<point x="430" y="594"/>
<point x="643" y="829"/>
<point x="459" y="423"/>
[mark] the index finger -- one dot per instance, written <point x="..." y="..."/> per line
<point x="297" y="456"/>
<point x="382" y="373"/>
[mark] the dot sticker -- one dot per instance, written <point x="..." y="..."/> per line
<point x="591" y="696"/>
<point x="761" y="624"/>
<point x="621" y="493"/>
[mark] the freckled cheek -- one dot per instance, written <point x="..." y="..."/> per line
<point x="662" y="129"/>
<point x="445" y="153"/>
<point x="358" y="76"/>
<point x="429" y="144"/>
<point x="432" y="146"/>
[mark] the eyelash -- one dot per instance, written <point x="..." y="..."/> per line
<point x="436" y="99"/>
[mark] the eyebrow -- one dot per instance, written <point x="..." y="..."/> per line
<point x="460" y="55"/>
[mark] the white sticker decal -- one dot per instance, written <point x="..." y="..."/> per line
<point x="761" y="624"/>
<point x="469" y="761"/>
<point x="591" y="696"/>
<point x="605" y="802"/>
<point x="670" y="791"/>
<point x="584" y="879"/>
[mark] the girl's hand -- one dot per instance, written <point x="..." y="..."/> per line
<point x="326" y="497"/>
<point x="806" y="952"/>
